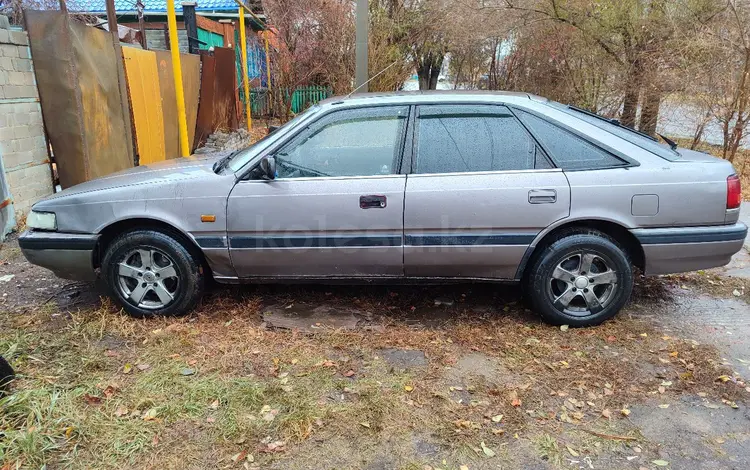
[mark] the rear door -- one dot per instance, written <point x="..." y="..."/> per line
<point x="479" y="191"/>
<point x="335" y="208"/>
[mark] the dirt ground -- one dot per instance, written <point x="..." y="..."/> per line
<point x="374" y="377"/>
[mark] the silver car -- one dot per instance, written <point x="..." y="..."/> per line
<point x="403" y="187"/>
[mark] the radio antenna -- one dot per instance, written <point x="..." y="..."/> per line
<point x="371" y="79"/>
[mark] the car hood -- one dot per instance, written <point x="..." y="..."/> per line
<point x="153" y="173"/>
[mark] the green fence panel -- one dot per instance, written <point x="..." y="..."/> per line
<point x="302" y="98"/>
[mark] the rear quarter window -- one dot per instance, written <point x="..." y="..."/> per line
<point x="569" y="151"/>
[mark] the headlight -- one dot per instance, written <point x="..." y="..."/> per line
<point x="41" y="220"/>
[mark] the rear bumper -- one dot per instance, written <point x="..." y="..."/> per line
<point x="681" y="249"/>
<point x="68" y="255"/>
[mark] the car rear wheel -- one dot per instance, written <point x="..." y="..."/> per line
<point x="152" y="274"/>
<point x="580" y="279"/>
<point x="6" y="375"/>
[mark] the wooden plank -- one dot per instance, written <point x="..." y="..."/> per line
<point x="209" y="25"/>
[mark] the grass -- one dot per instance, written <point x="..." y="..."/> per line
<point x="100" y="390"/>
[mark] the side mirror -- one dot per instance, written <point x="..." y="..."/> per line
<point x="268" y="168"/>
<point x="272" y="129"/>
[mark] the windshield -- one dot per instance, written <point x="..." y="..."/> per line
<point x="640" y="139"/>
<point x="241" y="158"/>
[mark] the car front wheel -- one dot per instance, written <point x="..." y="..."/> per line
<point x="581" y="279"/>
<point x="152" y="274"/>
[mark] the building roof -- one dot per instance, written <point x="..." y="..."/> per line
<point x="151" y="6"/>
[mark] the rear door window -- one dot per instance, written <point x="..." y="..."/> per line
<point x="569" y="151"/>
<point x="469" y="138"/>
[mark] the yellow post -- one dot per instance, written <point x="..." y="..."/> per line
<point x="174" y="48"/>
<point x="243" y="45"/>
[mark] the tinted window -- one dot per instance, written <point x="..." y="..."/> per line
<point x="631" y="136"/>
<point x="569" y="151"/>
<point x="347" y="143"/>
<point x="471" y="138"/>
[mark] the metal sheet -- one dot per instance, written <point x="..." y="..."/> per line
<point x="191" y="67"/>
<point x="76" y="73"/>
<point x="217" y="108"/>
<point x="145" y="100"/>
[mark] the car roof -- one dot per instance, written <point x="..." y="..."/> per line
<point x="431" y="96"/>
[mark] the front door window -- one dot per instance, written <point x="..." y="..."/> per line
<point x="359" y="142"/>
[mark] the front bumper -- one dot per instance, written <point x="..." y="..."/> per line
<point x="68" y="255"/>
<point x="682" y="249"/>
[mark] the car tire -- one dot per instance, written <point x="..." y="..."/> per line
<point x="153" y="274"/>
<point x="582" y="278"/>
<point x="6" y="375"/>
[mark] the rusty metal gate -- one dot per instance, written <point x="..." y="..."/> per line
<point x="218" y="97"/>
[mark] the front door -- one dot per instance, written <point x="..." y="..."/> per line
<point x="479" y="192"/>
<point x="335" y="208"/>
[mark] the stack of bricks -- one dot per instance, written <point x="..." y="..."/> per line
<point x="23" y="146"/>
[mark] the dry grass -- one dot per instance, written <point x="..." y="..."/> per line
<point x="86" y="399"/>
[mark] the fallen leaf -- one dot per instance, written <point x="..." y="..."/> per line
<point x="644" y="335"/>
<point x="365" y="424"/>
<point x="121" y="411"/>
<point x="127" y="368"/>
<point x="487" y="451"/>
<point x="736" y="293"/>
<point x="607" y="414"/>
<point x="664" y="405"/>
<point x="497" y="418"/>
<point x="673" y="354"/>
<point x="572" y="451"/>
<point x="214" y="405"/>
<point x="151" y="414"/>
<point x="660" y="463"/>
<point x="143" y="367"/>
<point x="109" y="391"/>
<point x="564" y="327"/>
<point x="514" y="400"/>
<point x="110" y="353"/>
<point x="239" y="456"/>
<point x="408" y="388"/>
<point x="625" y="412"/>
<point x="192" y="362"/>
<point x="92" y="400"/>
<point x="349" y="373"/>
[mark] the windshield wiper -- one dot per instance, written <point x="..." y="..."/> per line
<point x="672" y="144"/>
<point x="224" y="161"/>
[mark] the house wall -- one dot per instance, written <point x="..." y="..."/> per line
<point x="23" y="147"/>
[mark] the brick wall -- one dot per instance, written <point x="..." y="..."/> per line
<point x="22" y="142"/>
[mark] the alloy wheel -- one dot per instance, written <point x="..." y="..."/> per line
<point x="582" y="284"/>
<point x="148" y="278"/>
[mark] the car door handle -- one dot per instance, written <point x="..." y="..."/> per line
<point x="542" y="196"/>
<point x="372" y="202"/>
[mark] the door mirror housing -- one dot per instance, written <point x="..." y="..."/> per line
<point x="267" y="168"/>
<point x="272" y="129"/>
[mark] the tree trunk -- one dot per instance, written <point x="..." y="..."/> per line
<point x="650" y="110"/>
<point x="632" y="94"/>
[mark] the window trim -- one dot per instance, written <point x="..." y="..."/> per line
<point x="627" y="161"/>
<point x="415" y="140"/>
<point x="246" y="174"/>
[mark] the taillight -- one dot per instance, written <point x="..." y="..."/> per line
<point x="734" y="192"/>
